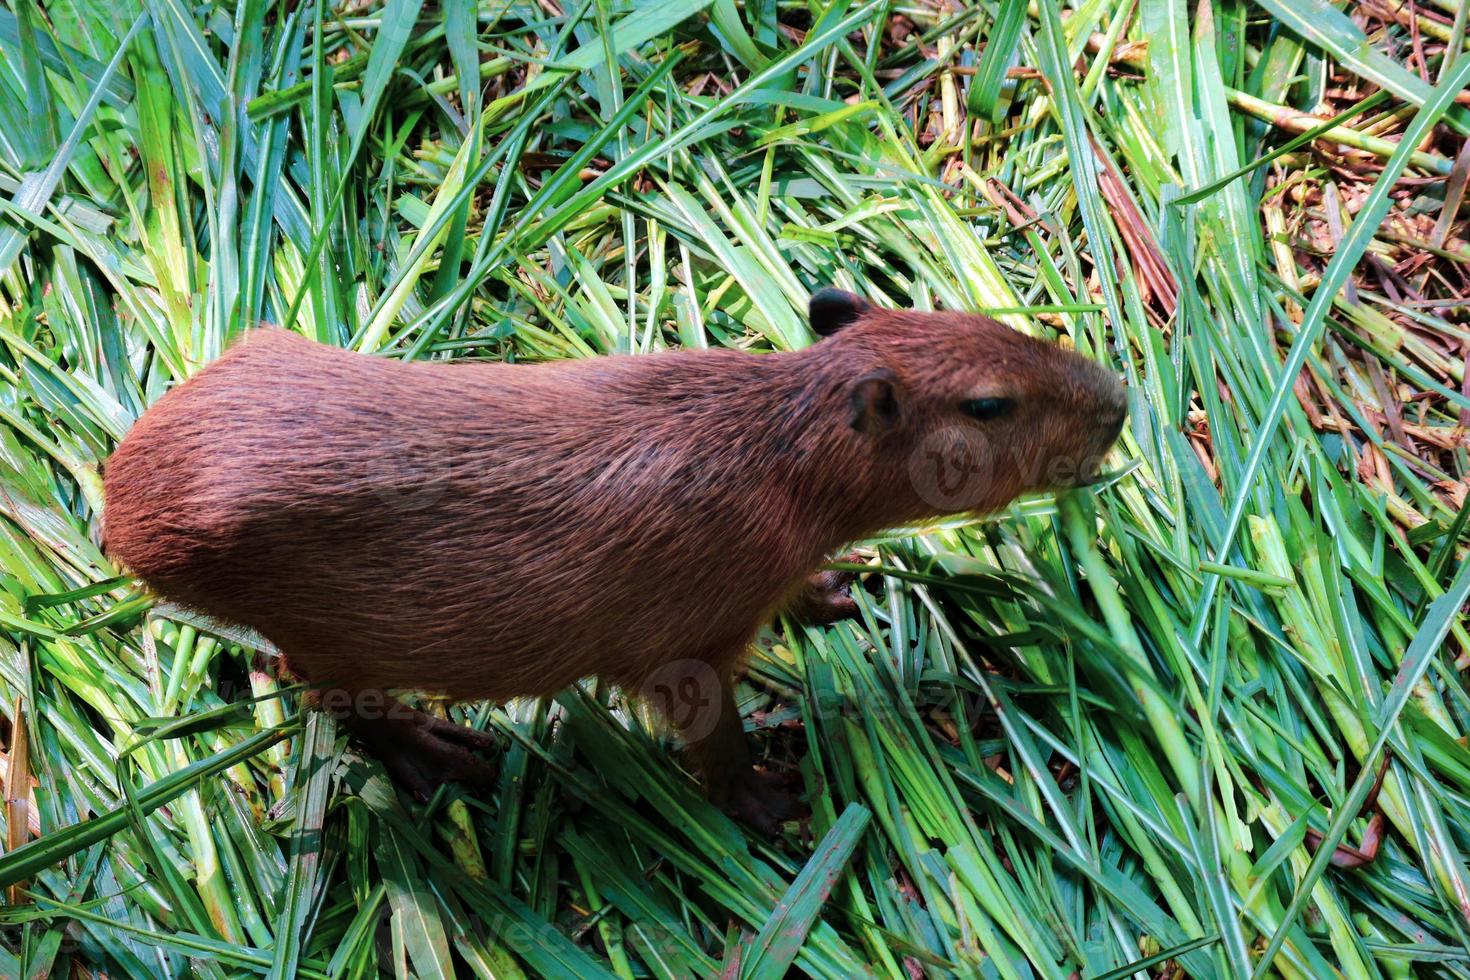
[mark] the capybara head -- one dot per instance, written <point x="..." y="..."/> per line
<point x="962" y="412"/>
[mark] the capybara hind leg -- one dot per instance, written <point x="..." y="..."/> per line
<point x="698" y="700"/>
<point x="419" y="751"/>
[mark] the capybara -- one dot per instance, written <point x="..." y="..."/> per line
<point x="488" y="530"/>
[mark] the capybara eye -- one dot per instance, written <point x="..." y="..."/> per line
<point x="988" y="409"/>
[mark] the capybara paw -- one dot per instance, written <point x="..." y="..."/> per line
<point x="827" y="596"/>
<point x="760" y="801"/>
<point x="437" y="752"/>
<point x="470" y="738"/>
<point x="832" y="592"/>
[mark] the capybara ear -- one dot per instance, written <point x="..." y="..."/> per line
<point x="875" y="406"/>
<point x="829" y="310"/>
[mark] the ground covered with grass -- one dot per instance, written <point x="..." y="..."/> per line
<point x="1207" y="721"/>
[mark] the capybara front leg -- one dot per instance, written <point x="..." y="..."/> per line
<point x="699" y="702"/>
<point x="419" y="751"/>
<point x="825" y="597"/>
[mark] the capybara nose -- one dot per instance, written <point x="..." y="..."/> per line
<point x="1104" y="398"/>
<point x="1107" y="411"/>
<point x="1118" y="407"/>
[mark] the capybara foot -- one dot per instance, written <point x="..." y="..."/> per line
<point x="422" y="752"/>
<point x="760" y="801"/>
<point x="826" y="597"/>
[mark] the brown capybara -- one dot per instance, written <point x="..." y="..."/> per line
<point x="490" y="530"/>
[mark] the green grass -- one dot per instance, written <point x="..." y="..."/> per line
<point x="1127" y="733"/>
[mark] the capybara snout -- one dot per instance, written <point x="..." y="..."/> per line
<point x="976" y="412"/>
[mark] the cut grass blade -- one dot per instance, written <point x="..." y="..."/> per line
<point x="25" y="861"/>
<point x="783" y="934"/>
<point x="1313" y="319"/>
<point x="1417" y="659"/>
<point x="36" y="189"/>
<point x="1051" y="744"/>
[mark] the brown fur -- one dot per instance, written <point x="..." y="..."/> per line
<point x="491" y="530"/>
